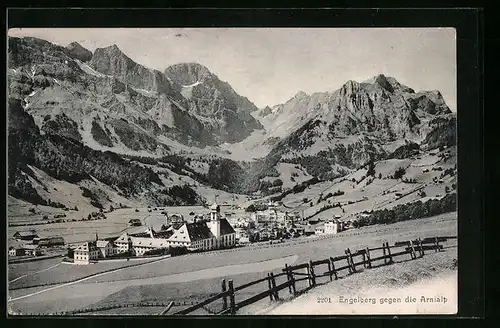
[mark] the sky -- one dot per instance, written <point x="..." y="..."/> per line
<point x="270" y="65"/>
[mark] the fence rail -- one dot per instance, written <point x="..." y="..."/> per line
<point x="350" y="261"/>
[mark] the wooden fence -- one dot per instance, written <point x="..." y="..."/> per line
<point x="308" y="273"/>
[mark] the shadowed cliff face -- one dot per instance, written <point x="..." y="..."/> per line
<point x="76" y="51"/>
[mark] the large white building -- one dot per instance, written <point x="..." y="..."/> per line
<point x="86" y="253"/>
<point x="198" y="235"/>
<point x="201" y="235"/>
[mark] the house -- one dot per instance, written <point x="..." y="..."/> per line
<point x="25" y="235"/>
<point x="135" y="222"/>
<point x="333" y="227"/>
<point x="86" y="253"/>
<point x="123" y="243"/>
<point x="106" y="248"/>
<point x="32" y="250"/>
<point x="175" y="219"/>
<point x="270" y="214"/>
<point x="309" y="230"/>
<point x="49" y="242"/>
<point x="16" y="251"/>
<point x="319" y="230"/>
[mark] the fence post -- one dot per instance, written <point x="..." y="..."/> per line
<point x="349" y="267"/>
<point x="311" y="273"/>
<point x="270" y="286"/>
<point x="353" y="266"/>
<point x="364" y="259"/>
<point x="436" y="241"/>
<point x="224" y="299"/>
<point x="385" y="253"/>
<point x="389" y="253"/>
<point x="413" y="255"/>
<point x="419" y="243"/>
<point x="292" y="277"/>
<point x="333" y="267"/>
<point x="232" y="304"/>
<point x="288" y="277"/>
<point x="330" y="270"/>
<point x="367" y="252"/>
<point x="273" y="284"/>
<point x="167" y="308"/>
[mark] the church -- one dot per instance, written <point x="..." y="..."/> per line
<point x="201" y="235"/>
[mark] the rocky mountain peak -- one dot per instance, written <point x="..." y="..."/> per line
<point x="265" y="111"/>
<point x="188" y="73"/>
<point x="77" y="51"/>
<point x="300" y="94"/>
<point x="349" y="87"/>
<point x="382" y="81"/>
<point x="389" y="84"/>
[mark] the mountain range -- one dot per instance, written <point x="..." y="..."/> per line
<point x="80" y="116"/>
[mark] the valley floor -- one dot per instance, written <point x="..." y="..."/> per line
<point x="167" y="280"/>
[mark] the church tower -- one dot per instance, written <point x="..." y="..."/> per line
<point x="215" y="221"/>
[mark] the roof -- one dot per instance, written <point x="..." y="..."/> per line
<point x="149" y="242"/>
<point x="87" y="247"/>
<point x="29" y="246"/>
<point x="25" y="233"/>
<point x="148" y="231"/>
<point x="51" y="240"/>
<point x="215" y="207"/>
<point x="225" y="227"/>
<point x="103" y="243"/>
<point x="123" y="238"/>
<point x="199" y="231"/>
<point x="164" y="234"/>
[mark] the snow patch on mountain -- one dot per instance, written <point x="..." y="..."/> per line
<point x="89" y="70"/>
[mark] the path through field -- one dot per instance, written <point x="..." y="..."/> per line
<point x="79" y="294"/>
<point x="32" y="273"/>
<point x="198" y="274"/>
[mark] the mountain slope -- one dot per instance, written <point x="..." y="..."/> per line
<point x="112" y="100"/>
<point x="331" y="133"/>
<point x="66" y="159"/>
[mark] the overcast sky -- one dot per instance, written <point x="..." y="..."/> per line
<point x="270" y="65"/>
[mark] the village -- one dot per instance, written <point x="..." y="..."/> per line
<point x="212" y="230"/>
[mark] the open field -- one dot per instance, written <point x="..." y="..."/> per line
<point x="17" y="270"/>
<point x="158" y="281"/>
<point x="64" y="272"/>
